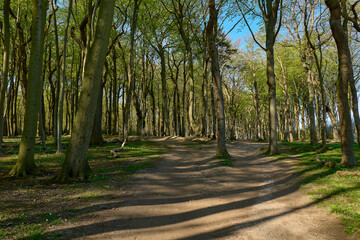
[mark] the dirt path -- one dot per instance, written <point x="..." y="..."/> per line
<point x="189" y="196"/>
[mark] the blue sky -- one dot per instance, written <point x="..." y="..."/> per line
<point x="241" y="31"/>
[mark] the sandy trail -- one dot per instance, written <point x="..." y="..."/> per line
<point x="189" y="196"/>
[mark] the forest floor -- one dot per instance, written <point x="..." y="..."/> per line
<point x="184" y="193"/>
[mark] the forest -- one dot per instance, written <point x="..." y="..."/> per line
<point x="88" y="81"/>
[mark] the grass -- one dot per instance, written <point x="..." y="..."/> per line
<point x="30" y="206"/>
<point x="339" y="194"/>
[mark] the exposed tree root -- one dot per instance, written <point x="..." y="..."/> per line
<point x="64" y="177"/>
<point x="117" y="150"/>
<point x="61" y="178"/>
<point x="19" y="170"/>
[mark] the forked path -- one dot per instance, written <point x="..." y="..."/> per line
<point x="189" y="196"/>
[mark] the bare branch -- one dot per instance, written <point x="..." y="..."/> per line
<point x="247" y="24"/>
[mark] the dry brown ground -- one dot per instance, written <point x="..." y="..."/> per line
<point x="190" y="196"/>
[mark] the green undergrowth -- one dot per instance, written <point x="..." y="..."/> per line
<point x="339" y="194"/>
<point x="31" y="205"/>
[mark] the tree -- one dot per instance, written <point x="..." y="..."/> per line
<point x="158" y="37"/>
<point x="57" y="77"/>
<point x="25" y="163"/>
<point x="131" y="77"/>
<point x="5" y="69"/>
<point x="353" y="89"/>
<point x="269" y="11"/>
<point x="211" y="34"/>
<point x="182" y="10"/>
<point x="62" y="84"/>
<point x="345" y="76"/>
<point x="319" y="63"/>
<point x="76" y="164"/>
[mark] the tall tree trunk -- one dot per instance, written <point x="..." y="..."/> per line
<point x="297" y="121"/>
<point x="25" y="163"/>
<point x="270" y="12"/>
<point x="57" y="75"/>
<point x="303" y="125"/>
<point x="215" y="71"/>
<point x="355" y="105"/>
<point x="5" y="69"/>
<point x="213" y="109"/>
<point x="131" y="79"/>
<point x="311" y="108"/>
<point x="76" y="163"/>
<point x="62" y="87"/>
<point x="270" y="71"/>
<point x="183" y="118"/>
<point x="165" y="107"/>
<point x="345" y="76"/>
<point x="42" y="123"/>
<point x="204" y="95"/>
<point x="257" y="106"/>
<point x="115" y="100"/>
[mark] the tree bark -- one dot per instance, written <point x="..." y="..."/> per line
<point x="165" y="107"/>
<point x="62" y="84"/>
<point x="131" y="79"/>
<point x="345" y="76"/>
<point x="76" y="163"/>
<point x="204" y="95"/>
<point x="25" y="163"/>
<point x="96" y="134"/>
<point x="5" y="69"/>
<point x="57" y="75"/>
<point x="311" y="109"/>
<point x="270" y="12"/>
<point x="215" y="71"/>
<point x="270" y="72"/>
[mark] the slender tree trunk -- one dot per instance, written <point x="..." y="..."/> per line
<point x="131" y="79"/>
<point x="334" y="123"/>
<point x="42" y="123"/>
<point x="297" y="121"/>
<point x="183" y="119"/>
<point x="204" y="95"/>
<point x="115" y="100"/>
<point x="215" y="71"/>
<point x="25" y="163"/>
<point x="303" y="123"/>
<point x="257" y="105"/>
<point x="270" y="70"/>
<point x="311" y="108"/>
<point x="5" y="69"/>
<point x="270" y="11"/>
<point x="193" y="128"/>
<point x="63" y="82"/>
<point x="76" y="163"/>
<point x="213" y="109"/>
<point x="345" y="76"/>
<point x="165" y="107"/>
<point x="57" y="75"/>
<point x="355" y="108"/>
